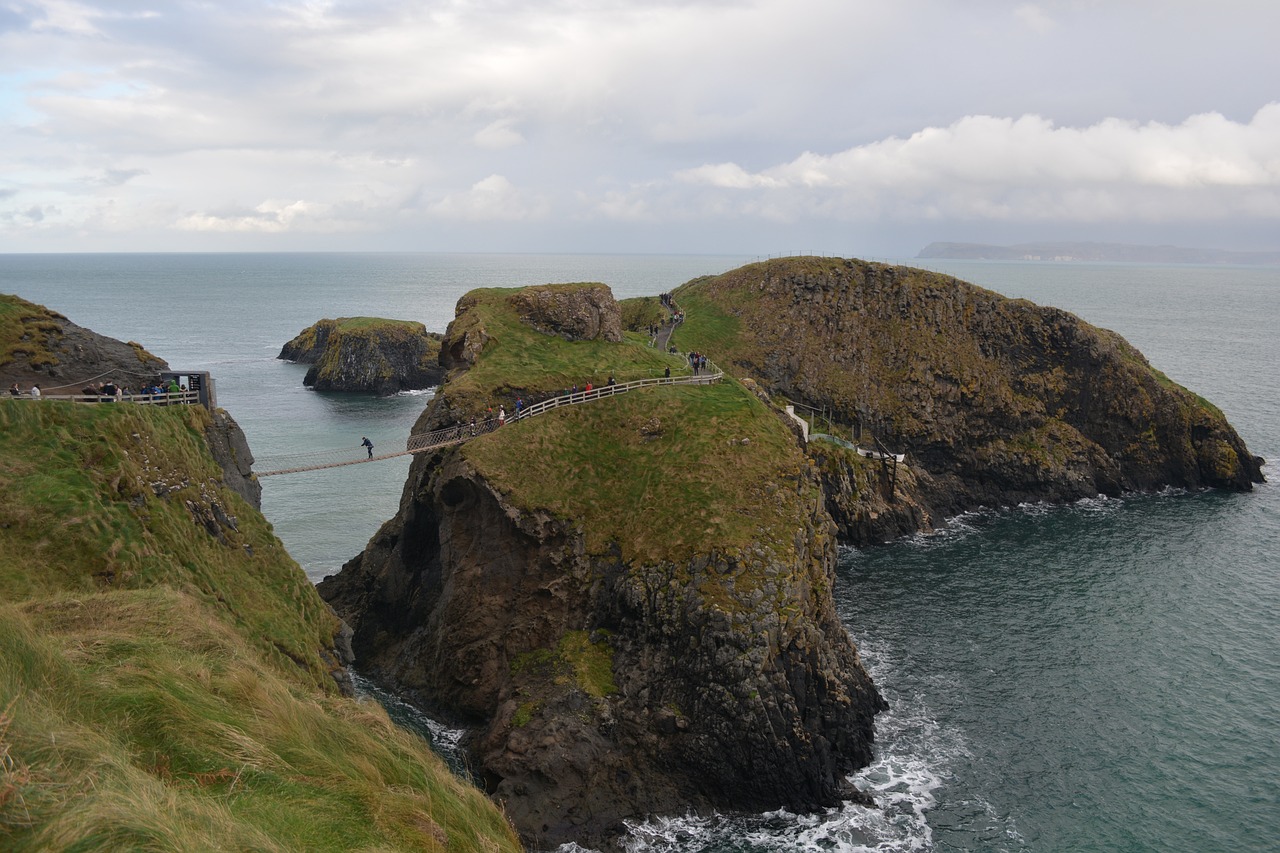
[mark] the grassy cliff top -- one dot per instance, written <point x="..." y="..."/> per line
<point x="518" y="359"/>
<point x="894" y="340"/>
<point x="360" y="324"/>
<point x="162" y="680"/>
<point x="662" y="473"/>
<point x="24" y="327"/>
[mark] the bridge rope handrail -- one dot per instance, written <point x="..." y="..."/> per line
<point x="463" y="432"/>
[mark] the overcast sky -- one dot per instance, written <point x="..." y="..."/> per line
<point x="857" y="127"/>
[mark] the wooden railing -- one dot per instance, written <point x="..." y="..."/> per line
<point x="181" y="398"/>
<point x="710" y="376"/>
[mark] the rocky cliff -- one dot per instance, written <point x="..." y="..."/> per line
<point x="994" y="400"/>
<point x="40" y="346"/>
<point x="367" y="354"/>
<point x="623" y="628"/>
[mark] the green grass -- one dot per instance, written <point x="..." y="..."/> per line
<point x="518" y="359"/>
<point x="640" y="312"/>
<point x="164" y="688"/>
<point x="660" y="473"/>
<point x="24" y="330"/>
<point x="707" y="327"/>
<point x="358" y="324"/>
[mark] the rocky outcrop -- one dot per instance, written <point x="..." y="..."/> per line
<point x="230" y="449"/>
<point x="575" y="312"/>
<point x="600" y="690"/>
<point x="994" y="400"/>
<point x="603" y="675"/>
<point x="367" y="355"/>
<point x="42" y="347"/>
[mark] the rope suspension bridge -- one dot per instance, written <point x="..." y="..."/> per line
<point x="461" y="433"/>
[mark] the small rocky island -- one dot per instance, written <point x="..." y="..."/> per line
<point x="367" y="354"/>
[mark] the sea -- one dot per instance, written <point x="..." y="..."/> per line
<point x="1102" y="676"/>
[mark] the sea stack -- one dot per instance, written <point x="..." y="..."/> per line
<point x="367" y="354"/>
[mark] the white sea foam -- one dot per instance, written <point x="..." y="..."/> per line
<point x="957" y="527"/>
<point x="1098" y="505"/>
<point x="914" y="756"/>
<point x="446" y="741"/>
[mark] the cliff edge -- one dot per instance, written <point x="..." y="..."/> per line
<point x="169" y="678"/>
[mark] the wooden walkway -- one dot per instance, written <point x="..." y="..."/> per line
<point x="461" y="433"/>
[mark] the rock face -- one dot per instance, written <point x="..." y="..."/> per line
<point x="657" y="697"/>
<point x="43" y="347"/>
<point x="995" y="400"/>
<point x="367" y="355"/>
<point x="230" y="448"/>
<point x="574" y="312"/>
<point x="599" y="683"/>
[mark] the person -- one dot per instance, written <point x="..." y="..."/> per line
<point x="519" y="406"/>
<point x="35" y="392"/>
<point x="15" y="391"/>
<point x="173" y="387"/>
<point x="611" y="381"/>
<point x="367" y="445"/>
<point x="588" y="388"/>
<point x="666" y="372"/>
<point x="502" y="416"/>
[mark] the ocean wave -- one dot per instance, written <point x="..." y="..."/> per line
<point x="446" y="741"/>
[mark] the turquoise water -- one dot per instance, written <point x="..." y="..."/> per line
<point x="1099" y="677"/>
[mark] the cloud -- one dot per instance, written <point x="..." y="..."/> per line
<point x="1005" y="168"/>
<point x="493" y="199"/>
<point x="32" y="216"/>
<point x="1035" y="18"/>
<point x="273" y="216"/>
<point x="314" y="116"/>
<point x="498" y="135"/>
<point x="116" y="177"/>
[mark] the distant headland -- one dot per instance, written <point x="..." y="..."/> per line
<point x="1114" y="252"/>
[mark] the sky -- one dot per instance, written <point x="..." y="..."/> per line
<point x="854" y="127"/>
